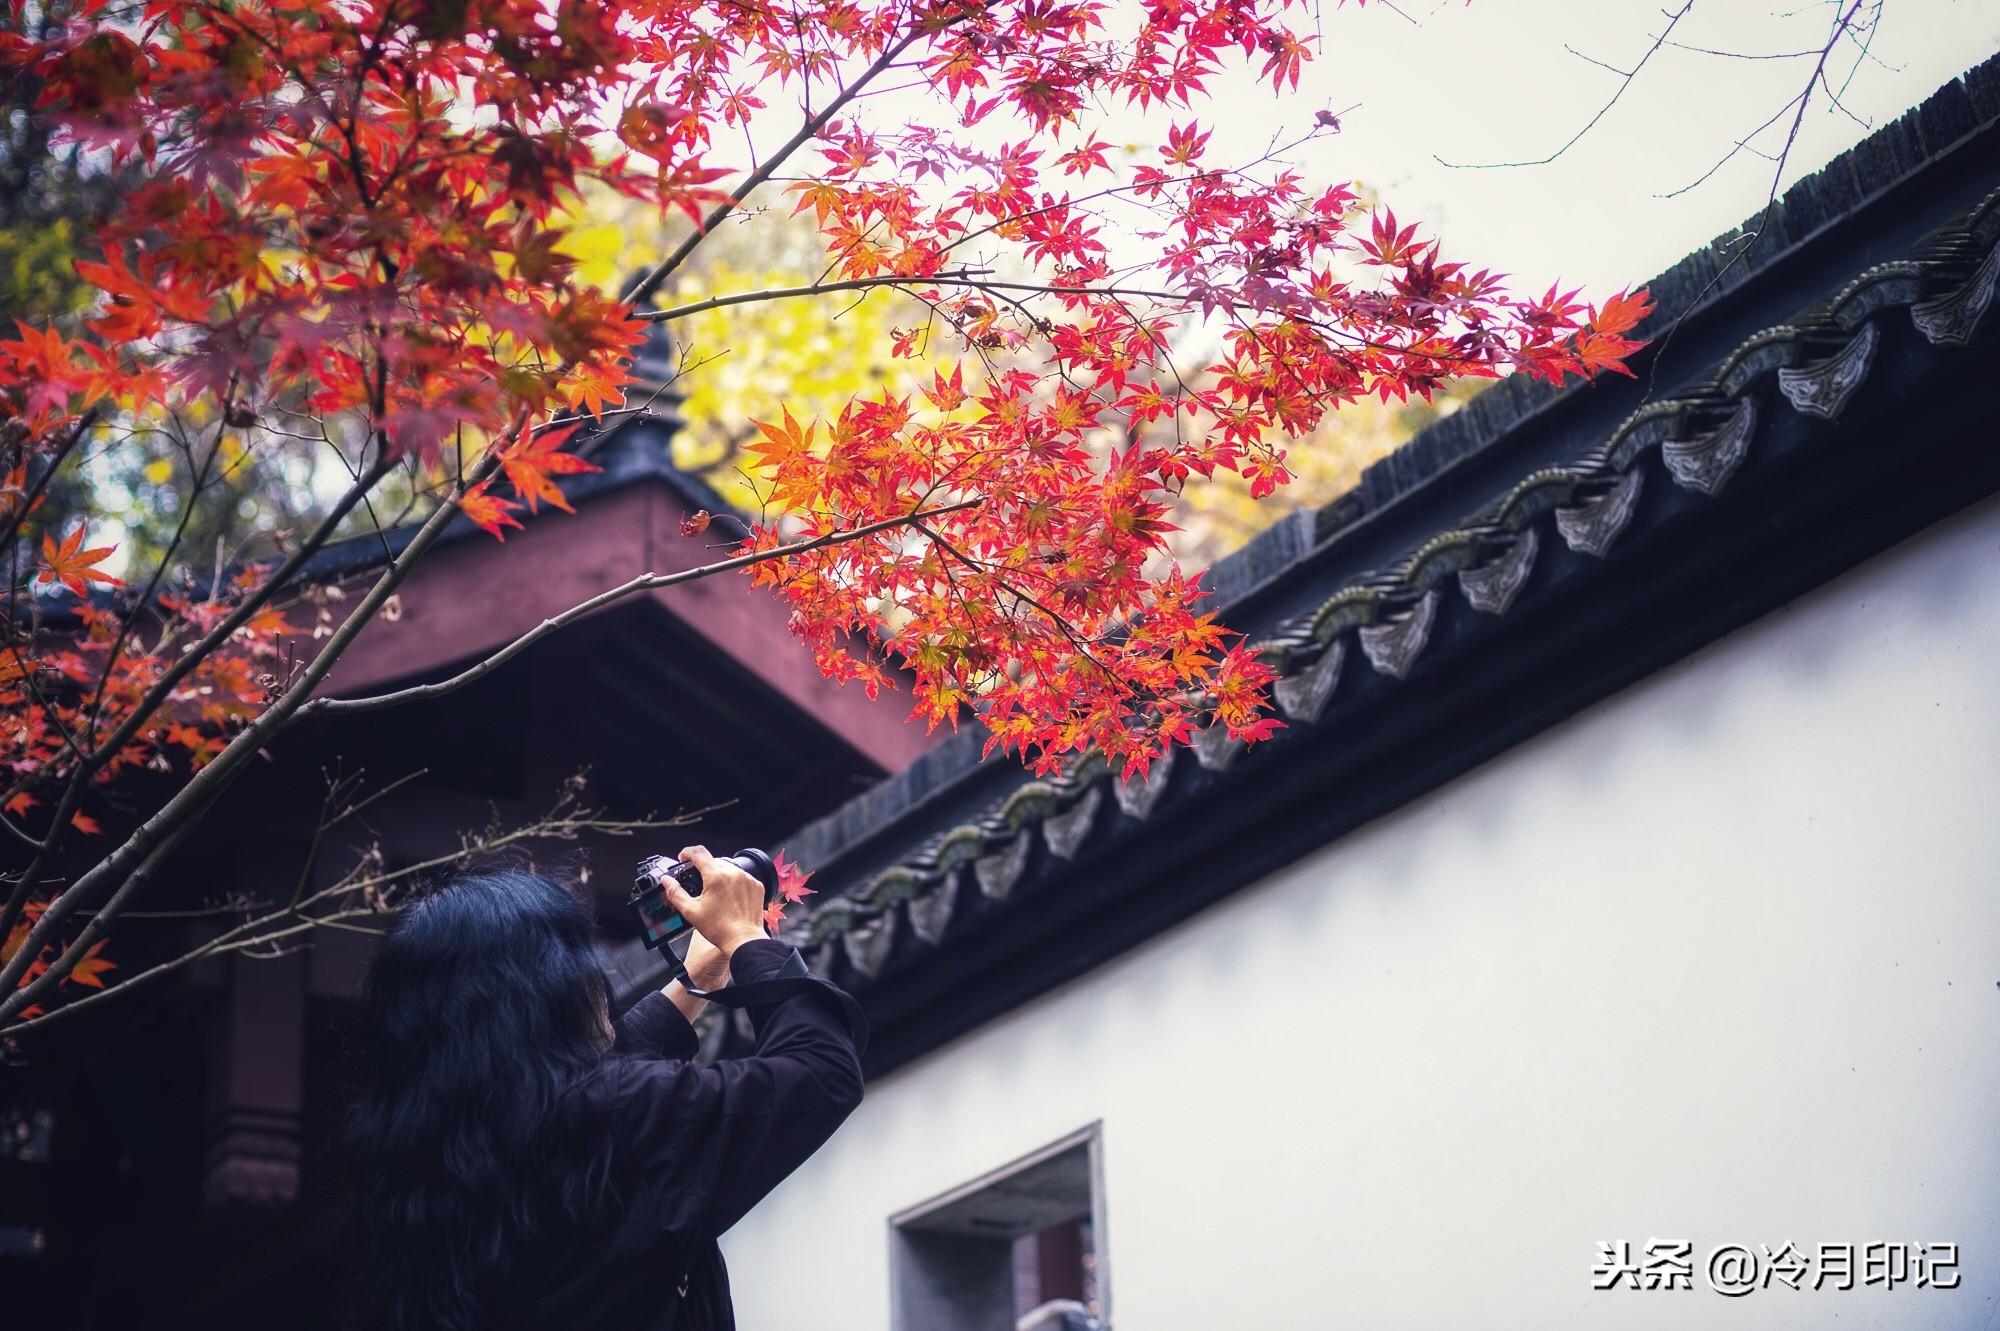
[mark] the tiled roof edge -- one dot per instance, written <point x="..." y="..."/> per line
<point x="1813" y="365"/>
<point x="953" y="775"/>
<point x="1864" y="174"/>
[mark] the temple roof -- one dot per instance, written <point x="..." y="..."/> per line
<point x="635" y="446"/>
<point x="1804" y="404"/>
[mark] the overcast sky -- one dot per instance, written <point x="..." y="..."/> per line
<point x="1491" y="81"/>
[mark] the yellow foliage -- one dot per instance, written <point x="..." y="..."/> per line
<point x="751" y="362"/>
<point x="1217" y="516"/>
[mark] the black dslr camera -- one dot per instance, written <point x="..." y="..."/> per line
<point x="659" y="923"/>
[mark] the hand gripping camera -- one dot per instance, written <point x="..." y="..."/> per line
<point x="659" y="923"/>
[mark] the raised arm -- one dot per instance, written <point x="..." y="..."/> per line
<point x="711" y="1142"/>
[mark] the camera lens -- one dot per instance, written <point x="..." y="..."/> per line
<point x="759" y="866"/>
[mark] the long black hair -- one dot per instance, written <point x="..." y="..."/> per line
<point x="468" y="1152"/>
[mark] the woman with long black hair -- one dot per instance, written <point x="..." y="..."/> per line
<point x="520" y="1162"/>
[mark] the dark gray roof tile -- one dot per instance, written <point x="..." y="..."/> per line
<point x="1703" y="434"/>
<point x="952" y="777"/>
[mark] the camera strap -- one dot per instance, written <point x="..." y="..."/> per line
<point x="792" y="980"/>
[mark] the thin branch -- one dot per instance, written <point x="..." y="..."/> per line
<point x="961" y="276"/>
<point x="644" y="582"/>
<point x="1801" y="102"/>
<point x="808" y="131"/>
<point x="62" y="451"/>
<point x="1060" y="622"/>
<point x="198" y="483"/>
<point x="162" y="688"/>
<point x="25" y="837"/>
<point x="1603" y="111"/>
<point x="291" y="920"/>
<point x="28" y="995"/>
<point x="171" y="821"/>
<point x="1749" y="239"/>
<point x="1593" y="60"/>
<point x="966" y="278"/>
<point x="1742" y="55"/>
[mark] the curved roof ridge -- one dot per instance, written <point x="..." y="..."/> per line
<point x="953" y="778"/>
<point x="1811" y="363"/>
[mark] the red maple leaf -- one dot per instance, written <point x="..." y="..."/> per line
<point x="792" y="889"/>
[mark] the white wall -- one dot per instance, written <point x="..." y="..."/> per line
<point x="1718" y="960"/>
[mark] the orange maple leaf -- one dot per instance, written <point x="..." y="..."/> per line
<point x="71" y="564"/>
<point x="90" y="968"/>
<point x="792" y="889"/>
<point x="592" y="387"/>
<point x="1623" y="311"/>
<point x="488" y="511"/>
<point x="791" y="879"/>
<point x="531" y="464"/>
<point x="782" y="442"/>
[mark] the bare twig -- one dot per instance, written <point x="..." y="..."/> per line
<point x="360" y="894"/>
<point x="62" y="451"/>
<point x="1749" y="239"/>
<point x="963" y="276"/>
<point x="644" y="582"/>
<point x="137" y="857"/>
<point x="1624" y="84"/>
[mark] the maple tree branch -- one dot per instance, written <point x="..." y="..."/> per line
<point x="17" y="516"/>
<point x="198" y="482"/>
<point x="171" y="821"/>
<point x="360" y="894"/>
<point x="1272" y="153"/>
<point x="154" y="697"/>
<point x="644" y="582"/>
<point x="26" y="838"/>
<point x="968" y="278"/>
<point x="807" y="131"/>
<point x="793" y="293"/>
<point x="1798" y="105"/>
<point x="247" y="609"/>
<point x="1842" y="27"/>
<point x="17" y="999"/>
<point x="1061" y="623"/>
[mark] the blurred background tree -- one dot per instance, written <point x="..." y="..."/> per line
<point x="1218" y="515"/>
<point x="47" y="197"/>
<point x="750" y="362"/>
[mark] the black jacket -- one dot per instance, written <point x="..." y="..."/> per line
<point x="695" y="1148"/>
